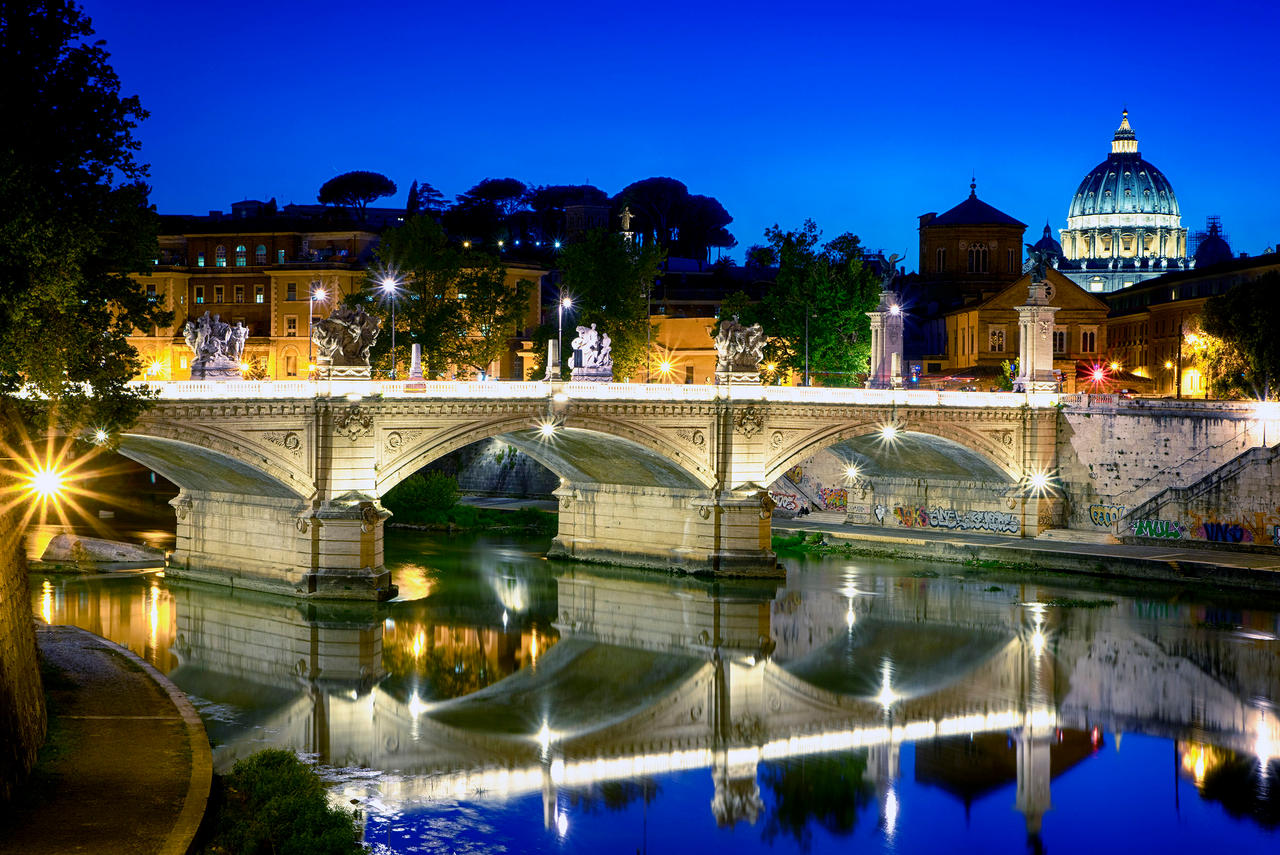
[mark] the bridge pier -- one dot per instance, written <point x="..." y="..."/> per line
<point x="278" y="545"/>
<point x="680" y="529"/>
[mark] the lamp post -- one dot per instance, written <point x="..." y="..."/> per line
<point x="316" y="294"/>
<point x="389" y="287"/>
<point x="565" y="303"/>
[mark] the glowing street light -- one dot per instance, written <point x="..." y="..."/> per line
<point x="317" y="293"/>
<point x="565" y="303"/>
<point x="45" y="483"/>
<point x="889" y="432"/>
<point x="389" y="286"/>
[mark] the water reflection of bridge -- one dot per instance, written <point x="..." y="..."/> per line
<point x="658" y="675"/>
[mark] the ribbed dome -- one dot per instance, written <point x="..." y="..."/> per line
<point x="1124" y="183"/>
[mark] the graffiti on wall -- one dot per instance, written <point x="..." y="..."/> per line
<point x="1162" y="529"/>
<point x="785" y="501"/>
<point x="1105" y="515"/>
<point x="953" y="520"/>
<point x="1224" y="532"/>
<point x="834" y="498"/>
<point x="796" y="474"/>
<point x="880" y="511"/>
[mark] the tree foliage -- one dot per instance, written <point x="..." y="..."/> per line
<point x="678" y="222"/>
<point x="454" y="302"/>
<point x="74" y="220"/>
<point x="828" y="287"/>
<point x="609" y="281"/>
<point x="355" y="189"/>
<point x="1241" y="351"/>
<point x="275" y="804"/>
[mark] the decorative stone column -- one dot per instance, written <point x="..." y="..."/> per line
<point x="1035" y="342"/>
<point x="886" y="344"/>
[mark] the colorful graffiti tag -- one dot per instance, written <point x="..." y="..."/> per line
<point x="1224" y="532"/>
<point x="953" y="520"/>
<point x="796" y="474"/>
<point x="834" y="498"/>
<point x="1105" y="515"/>
<point x="1163" y="529"/>
<point x="785" y="501"/>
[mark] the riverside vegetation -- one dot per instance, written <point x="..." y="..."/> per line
<point x="429" y="500"/>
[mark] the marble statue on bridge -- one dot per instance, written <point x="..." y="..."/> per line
<point x="217" y="347"/>
<point x="592" y="356"/>
<point x="344" y="339"/>
<point x="739" y="351"/>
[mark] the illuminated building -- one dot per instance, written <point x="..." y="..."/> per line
<point x="1124" y="225"/>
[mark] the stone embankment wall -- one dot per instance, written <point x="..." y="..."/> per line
<point x="22" y="711"/>
<point x="1115" y="455"/>
<point x="493" y="468"/>
<point x="1237" y="504"/>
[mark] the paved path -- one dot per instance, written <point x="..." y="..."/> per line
<point x="127" y="766"/>
<point x="1171" y="563"/>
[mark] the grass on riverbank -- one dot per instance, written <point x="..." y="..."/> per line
<point x="429" y="501"/>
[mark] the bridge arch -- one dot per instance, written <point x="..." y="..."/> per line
<point x="995" y="451"/>
<point x="580" y="450"/>
<point x="201" y="459"/>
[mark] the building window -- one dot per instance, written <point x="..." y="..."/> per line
<point x="1012" y="269"/>
<point x="997" y="339"/>
<point x="239" y="293"/>
<point x="1096" y="284"/>
<point x="977" y="258"/>
<point x="971" y="339"/>
<point x="259" y="293"/>
<point x="1088" y="341"/>
<point x="290" y="365"/>
<point x="1059" y="340"/>
<point x="291" y="291"/>
<point x="220" y="256"/>
<point x="199" y="293"/>
<point x="217" y="293"/>
<point x="291" y="326"/>
<point x="260" y="256"/>
<point x="240" y="255"/>
<point x="151" y="291"/>
<point x="942" y="258"/>
<point x="200" y="259"/>
<point x="279" y="256"/>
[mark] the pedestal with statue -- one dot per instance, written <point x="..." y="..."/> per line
<point x="217" y="347"/>
<point x="739" y="351"/>
<point x="592" y="356"/>
<point x="886" y="333"/>
<point x="1035" y="331"/>
<point x="343" y="340"/>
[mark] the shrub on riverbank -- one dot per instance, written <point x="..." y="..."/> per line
<point x="429" y="500"/>
<point x="273" y="803"/>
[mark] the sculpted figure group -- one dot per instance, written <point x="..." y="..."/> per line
<point x="739" y="348"/>
<point x="344" y="338"/>
<point x="217" y="346"/>
<point x="592" y="355"/>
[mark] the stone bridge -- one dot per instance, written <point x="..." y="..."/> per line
<point x="281" y="482"/>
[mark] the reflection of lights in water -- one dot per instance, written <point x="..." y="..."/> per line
<point x="887" y="695"/>
<point x="557" y="771"/>
<point x="1265" y="744"/>
<point x="505" y="619"/>
<point x="544" y="738"/>
<point x="562" y="823"/>
<point x="533" y="647"/>
<point x="1037" y="642"/>
<point x="389" y="625"/>
<point x="153" y="641"/>
<point x="512" y="593"/>
<point x="419" y="644"/>
<point x="46" y="601"/>
<point x="849" y="616"/>
<point x="890" y="812"/>
<point x="416" y="706"/>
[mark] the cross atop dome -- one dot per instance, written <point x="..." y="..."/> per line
<point x="1125" y="141"/>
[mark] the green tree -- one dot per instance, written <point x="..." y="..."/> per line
<point x="274" y="803"/>
<point x="679" y="222"/>
<point x="74" y="221"/>
<point x="819" y="304"/>
<point x="1241" y="351"/>
<point x="454" y="302"/>
<point x="355" y="190"/>
<point x="609" y="281"/>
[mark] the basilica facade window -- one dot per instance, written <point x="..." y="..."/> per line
<point x="978" y="258"/>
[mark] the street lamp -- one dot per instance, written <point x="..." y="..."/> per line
<point x="565" y="303"/>
<point x="389" y="286"/>
<point x="316" y="294"/>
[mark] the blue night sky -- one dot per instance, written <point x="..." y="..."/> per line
<point x="860" y="118"/>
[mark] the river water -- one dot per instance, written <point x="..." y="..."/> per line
<point x="505" y="703"/>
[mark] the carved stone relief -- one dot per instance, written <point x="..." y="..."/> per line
<point x="748" y="422"/>
<point x="352" y="422"/>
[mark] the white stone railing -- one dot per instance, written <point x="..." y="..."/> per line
<point x="528" y="390"/>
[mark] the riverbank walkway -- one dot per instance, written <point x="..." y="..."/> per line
<point x="126" y="767"/>
<point x="1214" y="567"/>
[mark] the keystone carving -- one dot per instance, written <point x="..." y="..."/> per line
<point x="301" y="524"/>
<point x="352" y="422"/>
<point x="368" y="518"/>
<point x="748" y="422"/>
<point x="775" y="441"/>
<point x="182" y="507"/>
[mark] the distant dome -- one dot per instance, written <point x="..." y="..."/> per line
<point x="1048" y="244"/>
<point x="1213" y="248"/>
<point x="1124" y="183"/>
